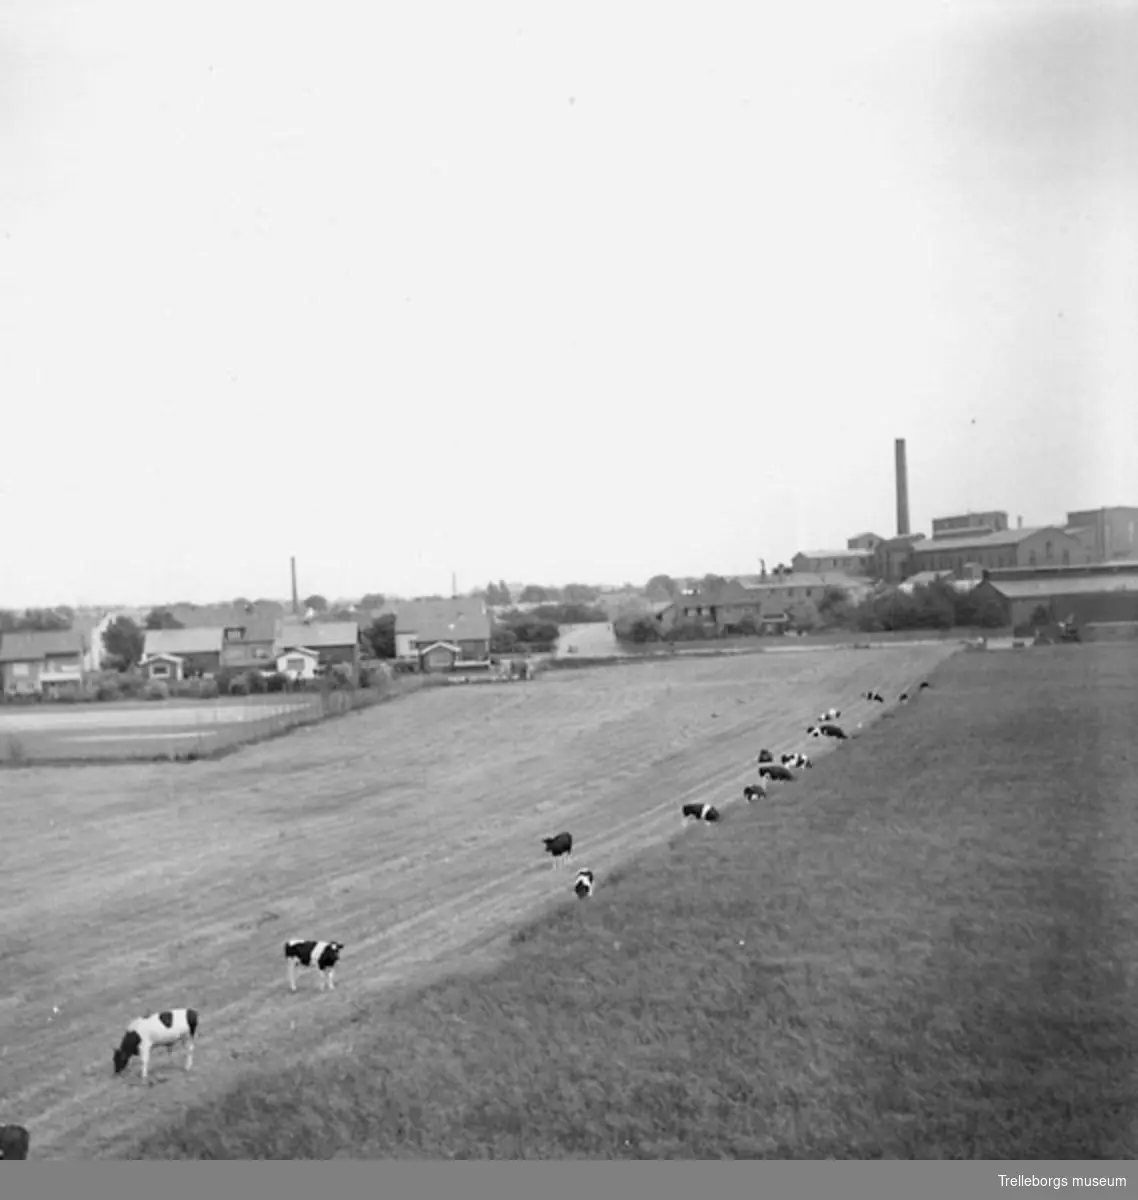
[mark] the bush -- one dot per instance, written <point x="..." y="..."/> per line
<point x="276" y="682"/>
<point x="688" y="631"/>
<point x="157" y="689"/>
<point x="255" y="683"/>
<point x="238" y="686"/>
<point x="637" y="630"/>
<point x="209" y="690"/>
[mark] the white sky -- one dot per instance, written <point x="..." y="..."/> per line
<point x="549" y="293"/>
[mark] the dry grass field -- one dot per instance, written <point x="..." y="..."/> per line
<point x="927" y="950"/>
<point x="411" y="832"/>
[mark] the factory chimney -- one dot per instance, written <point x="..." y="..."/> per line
<point x="902" y="488"/>
<point x="295" y="595"/>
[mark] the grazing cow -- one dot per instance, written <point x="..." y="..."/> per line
<point x="560" y="845"/>
<point x="583" y="885"/>
<point x="795" y="760"/>
<point x="171" y="1027"/>
<point x="765" y="756"/>
<point x="322" y="955"/>
<point x="903" y="698"/>
<point x="700" y="812"/>
<point x="876" y="696"/>
<point x="775" y="771"/>
<point x="754" y="791"/>
<point x="14" y="1142"/>
<point x="827" y="729"/>
<point x="924" y="684"/>
<point x="831" y="714"/>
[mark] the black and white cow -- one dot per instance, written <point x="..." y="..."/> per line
<point x="700" y="812"/>
<point x="795" y="760"/>
<point x="754" y="791"/>
<point x="827" y="729"/>
<point x="775" y="771"/>
<point x="323" y="956"/>
<point x="171" y="1027"/>
<point x="903" y="698"/>
<point x="583" y="884"/>
<point x="14" y="1142"/>
<point x="560" y="846"/>
<point x="831" y="714"/>
<point x="877" y="697"/>
<point x="765" y="756"/>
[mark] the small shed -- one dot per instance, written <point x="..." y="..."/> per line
<point x="439" y="656"/>
<point x="168" y="667"/>
<point x="298" y="663"/>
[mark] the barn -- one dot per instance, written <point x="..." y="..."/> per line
<point x="1095" y="597"/>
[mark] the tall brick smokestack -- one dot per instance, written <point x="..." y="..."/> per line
<point x="902" y="488"/>
<point x="295" y="596"/>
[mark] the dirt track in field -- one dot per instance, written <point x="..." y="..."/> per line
<point x="411" y="832"/>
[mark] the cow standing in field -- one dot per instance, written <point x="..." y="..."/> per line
<point x="171" y="1027"/>
<point x="765" y="756"/>
<point x="560" y="846"/>
<point x="796" y="760"/>
<point x="876" y="697"/>
<point x="754" y="791"/>
<point x="323" y="956"/>
<point x="583" y="884"/>
<point x="831" y="714"/>
<point x="14" y="1142"/>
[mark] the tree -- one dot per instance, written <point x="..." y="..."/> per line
<point x="661" y="587"/>
<point x="534" y="593"/>
<point x="638" y="630"/>
<point x="372" y="600"/>
<point x="317" y="603"/>
<point x="497" y="594"/>
<point x="123" y="641"/>
<point x="834" y="608"/>
<point x="379" y="636"/>
<point x="41" y="620"/>
<point x="579" y="593"/>
<point x="162" y="618"/>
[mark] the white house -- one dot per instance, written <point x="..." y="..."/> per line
<point x="299" y="663"/>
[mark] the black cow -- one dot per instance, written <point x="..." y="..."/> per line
<point x="14" y="1142"/>
<point x="775" y="771"/>
<point x="700" y="812"/>
<point x="754" y="791"/>
<point x="560" y="846"/>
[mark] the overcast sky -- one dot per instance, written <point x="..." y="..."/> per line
<point x="550" y="293"/>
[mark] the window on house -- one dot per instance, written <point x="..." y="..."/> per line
<point x="260" y="652"/>
<point x="1031" y="559"/>
<point x="1047" y="551"/>
<point x="160" y="671"/>
<point x="295" y="664"/>
<point x="20" y="669"/>
<point x="809" y="593"/>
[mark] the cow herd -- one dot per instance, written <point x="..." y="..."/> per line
<point x="178" y="1027"/>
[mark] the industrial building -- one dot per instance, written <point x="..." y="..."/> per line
<point x="1100" y="598"/>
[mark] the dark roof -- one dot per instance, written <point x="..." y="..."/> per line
<point x="294" y="634"/>
<point x="1005" y="537"/>
<point x="35" y="645"/>
<point x="195" y="640"/>
<point x="1095" y="585"/>
<point x="442" y="620"/>
<point x="257" y="629"/>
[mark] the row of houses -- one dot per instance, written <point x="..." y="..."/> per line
<point x="439" y="635"/>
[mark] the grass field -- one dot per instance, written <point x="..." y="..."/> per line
<point x="927" y="949"/>
<point x="411" y="832"/>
